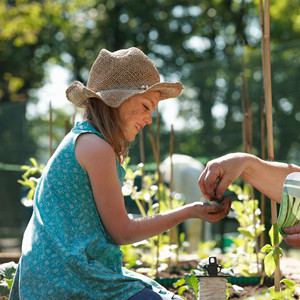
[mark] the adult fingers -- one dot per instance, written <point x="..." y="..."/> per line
<point x="292" y="229"/>
<point x="222" y="186"/>
<point x="208" y="181"/>
<point x="223" y="205"/>
<point x="293" y="240"/>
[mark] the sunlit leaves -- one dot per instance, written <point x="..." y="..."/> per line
<point x="21" y="22"/>
<point x="273" y="251"/>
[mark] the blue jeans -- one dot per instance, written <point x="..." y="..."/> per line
<point x="145" y="294"/>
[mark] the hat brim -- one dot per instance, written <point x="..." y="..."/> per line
<point x="77" y="93"/>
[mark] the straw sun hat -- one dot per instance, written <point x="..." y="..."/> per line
<point x="117" y="76"/>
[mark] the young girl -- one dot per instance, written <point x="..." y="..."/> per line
<point x="71" y="245"/>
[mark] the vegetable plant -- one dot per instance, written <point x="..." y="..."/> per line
<point x="145" y="252"/>
<point x="7" y="272"/>
<point x="30" y="181"/>
<point x="244" y="256"/>
<point x="273" y="251"/>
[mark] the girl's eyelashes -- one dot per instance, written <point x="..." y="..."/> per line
<point x="146" y="107"/>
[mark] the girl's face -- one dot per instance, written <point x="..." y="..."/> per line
<point x="136" y="112"/>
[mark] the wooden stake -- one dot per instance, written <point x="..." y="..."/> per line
<point x="244" y="107"/>
<point x="159" y="183"/>
<point x="173" y="233"/>
<point x="153" y="144"/>
<point x="142" y="153"/>
<point x="268" y="97"/>
<point x="263" y="120"/>
<point x="66" y="127"/>
<point x="263" y="156"/>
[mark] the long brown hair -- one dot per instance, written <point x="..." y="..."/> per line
<point x="105" y="119"/>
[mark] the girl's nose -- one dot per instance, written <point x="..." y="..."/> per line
<point x="148" y="119"/>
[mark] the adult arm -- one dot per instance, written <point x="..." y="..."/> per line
<point x="98" y="159"/>
<point x="267" y="177"/>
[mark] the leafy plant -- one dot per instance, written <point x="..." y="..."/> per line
<point x="28" y="179"/>
<point x="7" y="272"/>
<point x="271" y="294"/>
<point x="146" y="200"/>
<point x="243" y="256"/>
<point x="273" y="251"/>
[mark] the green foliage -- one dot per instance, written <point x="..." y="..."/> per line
<point x="286" y="293"/>
<point x="242" y="257"/>
<point x="205" y="249"/>
<point x="28" y="180"/>
<point x="192" y="282"/>
<point x="273" y="251"/>
<point x="145" y="252"/>
<point x="7" y="272"/>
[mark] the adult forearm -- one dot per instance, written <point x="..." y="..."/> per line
<point x="267" y="177"/>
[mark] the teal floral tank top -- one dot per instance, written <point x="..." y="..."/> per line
<point x="66" y="251"/>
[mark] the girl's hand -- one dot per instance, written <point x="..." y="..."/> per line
<point x="212" y="213"/>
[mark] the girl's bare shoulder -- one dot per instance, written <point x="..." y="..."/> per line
<point x="90" y="147"/>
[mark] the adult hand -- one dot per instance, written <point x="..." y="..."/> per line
<point x="225" y="169"/>
<point x="293" y="238"/>
<point x="212" y="213"/>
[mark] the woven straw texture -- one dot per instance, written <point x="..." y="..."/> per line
<point x="117" y="76"/>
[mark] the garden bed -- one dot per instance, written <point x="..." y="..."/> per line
<point x="290" y="269"/>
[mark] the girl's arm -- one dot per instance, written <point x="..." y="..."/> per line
<point x="99" y="161"/>
<point x="267" y="177"/>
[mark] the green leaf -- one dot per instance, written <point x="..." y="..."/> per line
<point x="25" y="167"/>
<point x="246" y="232"/>
<point x="270" y="263"/>
<point x="30" y="194"/>
<point x="7" y="270"/>
<point x="266" y="248"/>
<point x="274" y="234"/>
<point x="192" y="282"/>
<point x="181" y="290"/>
<point x="287" y="282"/>
<point x="278" y="251"/>
<point x="22" y="182"/>
<point x="9" y="283"/>
<point x="179" y="283"/>
<point x="34" y="162"/>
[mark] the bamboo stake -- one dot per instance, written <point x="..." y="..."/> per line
<point x="159" y="182"/>
<point x="171" y="164"/>
<point x="173" y="233"/>
<point x="247" y="139"/>
<point x="268" y="98"/>
<point x="50" y="129"/>
<point x="263" y="156"/>
<point x="263" y="120"/>
<point x="244" y="106"/>
<point x="142" y="153"/>
<point x="66" y="127"/>
<point x="153" y="144"/>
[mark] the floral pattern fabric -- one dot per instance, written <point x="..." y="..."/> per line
<point x="66" y="251"/>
